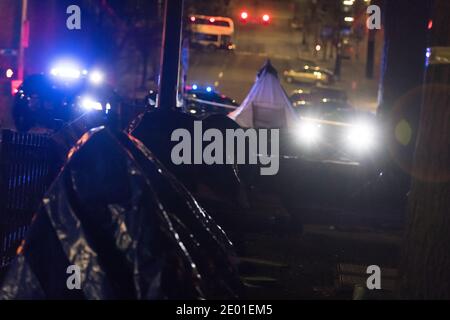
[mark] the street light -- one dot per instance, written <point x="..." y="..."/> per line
<point x="9" y="73"/>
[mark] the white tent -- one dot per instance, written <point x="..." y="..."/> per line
<point x="266" y="105"/>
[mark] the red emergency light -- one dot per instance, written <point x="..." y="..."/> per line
<point x="15" y="85"/>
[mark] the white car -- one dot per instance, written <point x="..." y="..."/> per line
<point x="308" y="75"/>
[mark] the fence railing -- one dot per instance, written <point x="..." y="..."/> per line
<point x="27" y="166"/>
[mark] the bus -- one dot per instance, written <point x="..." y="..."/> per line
<point x="211" y="32"/>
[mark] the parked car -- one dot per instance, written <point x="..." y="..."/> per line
<point x="309" y="75"/>
<point x="206" y="101"/>
<point x="319" y="96"/>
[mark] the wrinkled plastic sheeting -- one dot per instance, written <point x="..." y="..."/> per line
<point x="155" y="130"/>
<point x="134" y="231"/>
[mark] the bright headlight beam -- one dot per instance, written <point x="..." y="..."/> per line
<point x="308" y="132"/>
<point x="361" y="136"/>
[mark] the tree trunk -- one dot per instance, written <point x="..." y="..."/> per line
<point x="425" y="268"/>
<point x="370" y="64"/>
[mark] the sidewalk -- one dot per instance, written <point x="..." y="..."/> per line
<point x="319" y="264"/>
<point x="327" y="260"/>
<point x="362" y="92"/>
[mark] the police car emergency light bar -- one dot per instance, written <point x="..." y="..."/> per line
<point x="70" y="71"/>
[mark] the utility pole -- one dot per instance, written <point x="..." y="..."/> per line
<point x="24" y="35"/>
<point x="170" y="54"/>
<point x="425" y="269"/>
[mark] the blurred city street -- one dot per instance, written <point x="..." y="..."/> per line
<point x="233" y="73"/>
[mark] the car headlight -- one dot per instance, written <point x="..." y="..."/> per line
<point x="299" y="103"/>
<point x="361" y="137"/>
<point x="89" y="104"/>
<point x="308" y="132"/>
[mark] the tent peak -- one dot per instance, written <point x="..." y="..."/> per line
<point x="268" y="68"/>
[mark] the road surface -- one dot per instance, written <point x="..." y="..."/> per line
<point x="233" y="73"/>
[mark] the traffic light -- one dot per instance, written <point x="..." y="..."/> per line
<point x="244" y="16"/>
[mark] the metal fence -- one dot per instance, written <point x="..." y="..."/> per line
<point x="26" y="170"/>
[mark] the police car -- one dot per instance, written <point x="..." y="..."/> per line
<point x="64" y="94"/>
